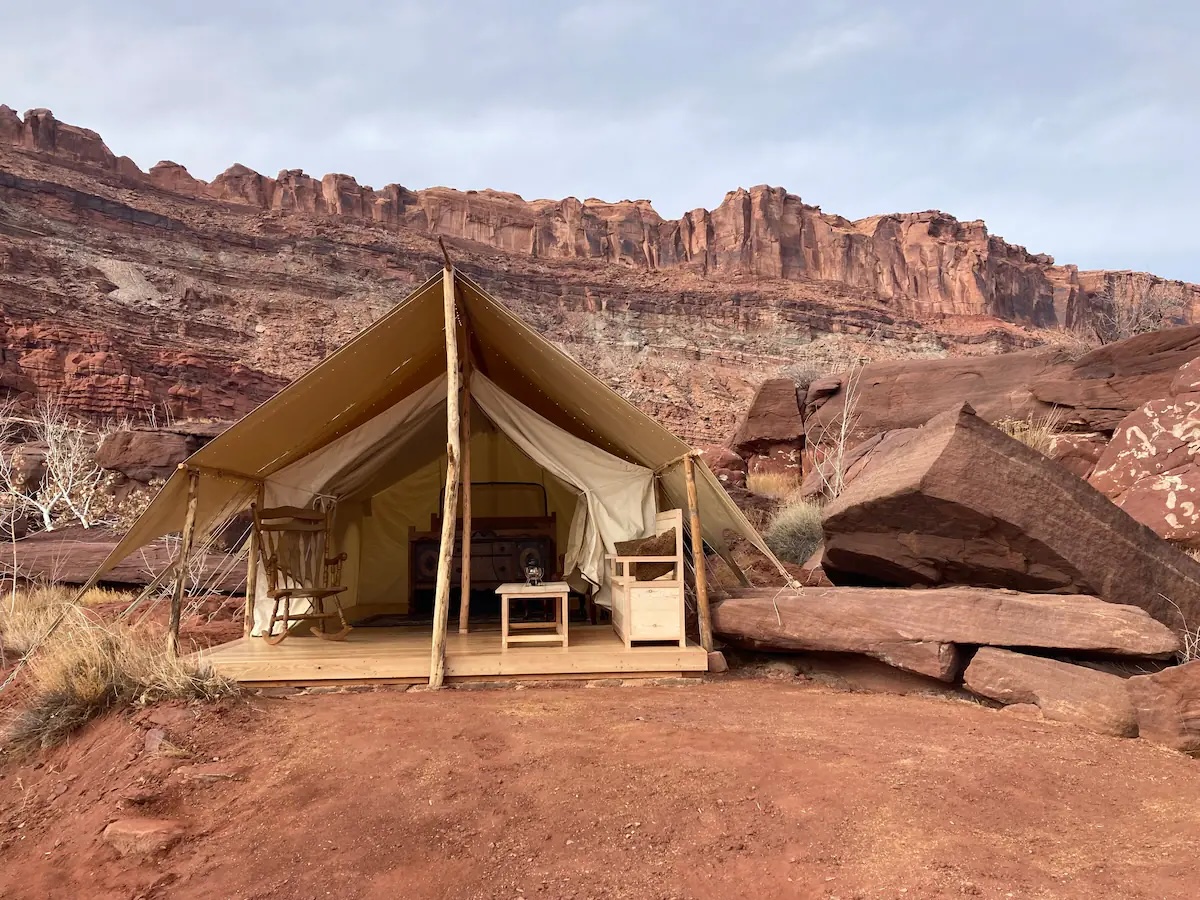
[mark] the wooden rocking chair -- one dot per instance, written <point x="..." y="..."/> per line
<point x="293" y="543"/>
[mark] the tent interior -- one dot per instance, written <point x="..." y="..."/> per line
<point x="366" y="431"/>
<point x="387" y="480"/>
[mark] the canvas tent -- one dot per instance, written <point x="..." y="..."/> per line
<point x="367" y="428"/>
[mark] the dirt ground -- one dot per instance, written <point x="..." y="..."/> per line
<point x="756" y="788"/>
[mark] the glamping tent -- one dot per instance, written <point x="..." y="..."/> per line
<point x="382" y="430"/>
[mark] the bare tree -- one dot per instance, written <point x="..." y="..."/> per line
<point x="1125" y="311"/>
<point x="830" y="451"/>
<point x="71" y="486"/>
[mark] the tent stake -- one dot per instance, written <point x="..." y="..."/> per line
<point x="464" y="603"/>
<point x="252" y="566"/>
<point x="185" y="549"/>
<point x="702" y="611"/>
<point x="441" y="597"/>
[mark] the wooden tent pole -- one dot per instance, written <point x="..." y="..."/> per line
<point x="252" y="566"/>
<point x="704" y="614"/>
<point x="441" y="597"/>
<point x="185" y="550"/>
<point x="464" y="605"/>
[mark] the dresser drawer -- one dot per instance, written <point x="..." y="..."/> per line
<point x="654" y="613"/>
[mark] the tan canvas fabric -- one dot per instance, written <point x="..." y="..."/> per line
<point x="390" y="363"/>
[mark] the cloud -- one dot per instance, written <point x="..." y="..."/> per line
<point x="838" y="42"/>
<point x="1077" y="148"/>
<point x="605" y="20"/>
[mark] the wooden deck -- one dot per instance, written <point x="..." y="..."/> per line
<point x="400" y="655"/>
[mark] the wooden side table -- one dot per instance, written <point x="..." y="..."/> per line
<point x="534" y="632"/>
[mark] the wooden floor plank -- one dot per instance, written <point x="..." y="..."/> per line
<point x="380" y="654"/>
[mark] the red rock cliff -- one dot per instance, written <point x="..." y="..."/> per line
<point x="249" y="279"/>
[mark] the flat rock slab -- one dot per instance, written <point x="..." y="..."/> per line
<point x="1168" y="706"/>
<point x="141" y="836"/>
<point x="963" y="503"/>
<point x="1063" y="692"/>
<point x="916" y="629"/>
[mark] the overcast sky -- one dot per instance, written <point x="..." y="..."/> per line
<point x="1069" y="127"/>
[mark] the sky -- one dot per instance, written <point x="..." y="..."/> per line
<point x="1071" y="128"/>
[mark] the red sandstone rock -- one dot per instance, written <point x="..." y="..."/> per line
<point x="1150" y="467"/>
<point x="143" y="455"/>
<point x="729" y="468"/>
<point x="771" y="434"/>
<point x="1063" y="692"/>
<point x="963" y="503"/>
<point x="287" y="271"/>
<point x="143" y="836"/>
<point x="905" y="393"/>
<point x="917" y="629"/>
<point x="822" y="478"/>
<point x="1103" y="387"/>
<point x="1168" y="706"/>
<point x="171" y="176"/>
<point x="1078" y="453"/>
<point x="71" y="555"/>
<point x="43" y="132"/>
<point x="244" y="185"/>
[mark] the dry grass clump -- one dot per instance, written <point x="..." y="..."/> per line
<point x="1037" y="432"/>
<point x="776" y="485"/>
<point x="89" y="666"/>
<point x="27" y="615"/>
<point x="795" y="531"/>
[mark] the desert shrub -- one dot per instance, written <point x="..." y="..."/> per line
<point x="88" y="667"/>
<point x="1037" y="432"/>
<point x="795" y="531"/>
<point x="776" y="485"/>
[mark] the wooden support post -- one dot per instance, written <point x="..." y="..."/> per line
<point x="181" y="568"/>
<point x="252" y="566"/>
<point x="704" y="614"/>
<point x="441" y="597"/>
<point x="464" y="605"/>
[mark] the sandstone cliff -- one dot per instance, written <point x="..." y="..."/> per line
<point x="134" y="289"/>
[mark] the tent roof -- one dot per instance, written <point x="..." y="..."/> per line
<point x="402" y="352"/>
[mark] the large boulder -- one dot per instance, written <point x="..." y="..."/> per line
<point x="1150" y="468"/>
<point x="1104" y="386"/>
<point x="1078" y="452"/>
<point x="963" y="503"/>
<point x="144" y="454"/>
<point x="917" y="630"/>
<point x="1168" y="706"/>
<point x="1091" y="394"/>
<point x="729" y="468"/>
<point x="823" y="470"/>
<point x="70" y="555"/>
<point x="887" y="396"/>
<point x="770" y="437"/>
<point x="1063" y="692"/>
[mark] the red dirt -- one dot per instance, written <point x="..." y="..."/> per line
<point x="737" y="788"/>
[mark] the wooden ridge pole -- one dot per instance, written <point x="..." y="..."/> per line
<point x="252" y="566"/>
<point x="181" y="569"/>
<point x="441" y="597"/>
<point x="703" y="613"/>
<point x="464" y="604"/>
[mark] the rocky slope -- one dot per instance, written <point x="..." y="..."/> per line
<point x="138" y="293"/>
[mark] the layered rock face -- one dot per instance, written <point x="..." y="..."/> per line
<point x="129" y="290"/>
